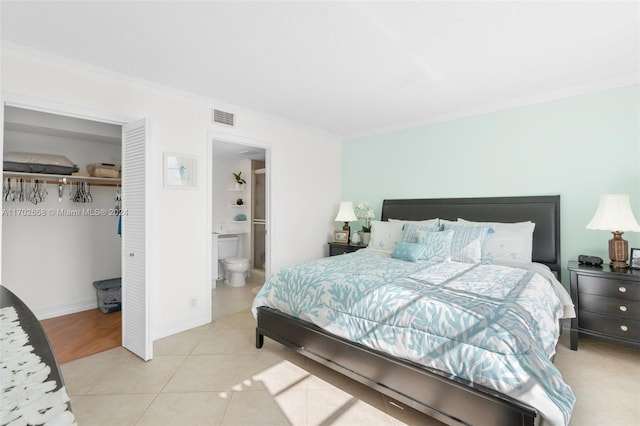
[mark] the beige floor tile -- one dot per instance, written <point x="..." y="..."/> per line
<point x="280" y="376"/>
<point x="256" y="407"/>
<point x="112" y="410"/>
<point x="227" y="300"/>
<point x="137" y="376"/>
<point x="293" y="403"/>
<point x="205" y="373"/>
<point x="182" y="409"/>
<point x="82" y="375"/>
<point x="181" y="343"/>
<point x="227" y="341"/>
<point x="332" y="406"/>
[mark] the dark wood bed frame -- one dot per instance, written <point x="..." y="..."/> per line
<point x="445" y="397"/>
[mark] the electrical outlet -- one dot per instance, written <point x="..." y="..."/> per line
<point x="193" y="303"/>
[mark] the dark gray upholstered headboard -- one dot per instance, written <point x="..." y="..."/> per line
<point x="544" y="211"/>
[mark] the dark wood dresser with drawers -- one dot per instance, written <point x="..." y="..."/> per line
<point x="607" y="304"/>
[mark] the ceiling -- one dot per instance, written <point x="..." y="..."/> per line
<point x="349" y="68"/>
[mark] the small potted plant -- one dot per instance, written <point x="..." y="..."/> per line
<point x="239" y="180"/>
<point x="363" y="211"/>
<point x="239" y="202"/>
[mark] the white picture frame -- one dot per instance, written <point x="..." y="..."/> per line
<point x="180" y="171"/>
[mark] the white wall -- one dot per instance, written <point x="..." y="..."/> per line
<point x="51" y="260"/>
<point x="305" y="194"/>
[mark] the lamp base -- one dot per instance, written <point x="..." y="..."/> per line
<point x="347" y="229"/>
<point x="618" y="251"/>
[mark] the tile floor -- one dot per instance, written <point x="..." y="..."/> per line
<point x="213" y="375"/>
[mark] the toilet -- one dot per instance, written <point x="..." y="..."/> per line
<point x="234" y="269"/>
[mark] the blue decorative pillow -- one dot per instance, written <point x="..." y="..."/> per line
<point x="467" y="242"/>
<point x="413" y="232"/>
<point x="437" y="245"/>
<point x="408" y="251"/>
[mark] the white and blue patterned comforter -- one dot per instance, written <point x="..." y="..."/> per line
<point x="494" y="325"/>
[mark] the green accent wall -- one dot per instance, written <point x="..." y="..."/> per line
<point x="577" y="147"/>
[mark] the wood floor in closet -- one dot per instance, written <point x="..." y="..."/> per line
<point x="84" y="333"/>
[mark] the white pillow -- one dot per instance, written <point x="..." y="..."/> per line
<point x="437" y="245"/>
<point x="508" y="242"/>
<point x="36" y="158"/>
<point x="385" y="235"/>
<point x="412" y="232"/>
<point x="467" y="241"/>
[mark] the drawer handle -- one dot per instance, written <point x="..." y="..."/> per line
<point x="623" y="308"/>
<point x="622" y="289"/>
<point x="624" y="328"/>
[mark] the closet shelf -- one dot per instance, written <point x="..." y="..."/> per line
<point x="57" y="179"/>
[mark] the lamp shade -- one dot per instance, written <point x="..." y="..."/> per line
<point x="346" y="213"/>
<point x="614" y="214"/>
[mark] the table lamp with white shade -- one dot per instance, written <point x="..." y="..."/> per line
<point x="614" y="214"/>
<point x="346" y="215"/>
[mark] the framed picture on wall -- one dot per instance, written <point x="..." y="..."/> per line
<point x="340" y="236"/>
<point x="180" y="171"/>
<point x="635" y="258"/>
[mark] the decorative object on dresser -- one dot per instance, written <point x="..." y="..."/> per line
<point x="607" y="302"/>
<point x="586" y="259"/>
<point x="336" y="249"/>
<point x="363" y="211"/>
<point x="341" y="237"/>
<point x="346" y="215"/>
<point x="355" y="238"/>
<point x="614" y="214"/>
<point x="635" y="258"/>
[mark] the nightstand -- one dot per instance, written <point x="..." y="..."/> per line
<point x="342" y="248"/>
<point x="607" y="304"/>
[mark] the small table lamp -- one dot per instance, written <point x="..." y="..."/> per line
<point x="614" y="214"/>
<point x="346" y="215"/>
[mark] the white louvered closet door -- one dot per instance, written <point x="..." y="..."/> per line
<point x="136" y="335"/>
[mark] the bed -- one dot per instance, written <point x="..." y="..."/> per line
<point x="380" y="361"/>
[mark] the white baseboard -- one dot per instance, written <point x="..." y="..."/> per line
<point x="57" y="311"/>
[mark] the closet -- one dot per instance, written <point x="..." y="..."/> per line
<point x="63" y="235"/>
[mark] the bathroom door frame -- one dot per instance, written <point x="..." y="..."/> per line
<point x="220" y="136"/>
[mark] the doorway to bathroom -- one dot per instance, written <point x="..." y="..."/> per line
<point x="240" y="212"/>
